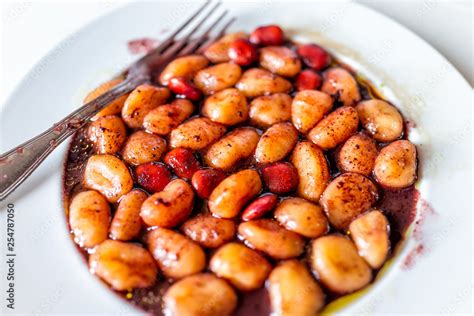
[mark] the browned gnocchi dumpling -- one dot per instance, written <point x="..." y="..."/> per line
<point x="126" y="224"/>
<point x="114" y="107"/>
<point x="293" y="291"/>
<point x="338" y="265"/>
<point x="218" y="52"/>
<point x="209" y="231"/>
<point x="276" y="143"/>
<point x="216" y="78"/>
<point x="185" y="67"/>
<point x="109" y="175"/>
<point x="124" y="266"/>
<point x="141" y="101"/>
<point x="380" y="119"/>
<point x="270" y="109"/>
<point x="340" y="84"/>
<point x="370" y="233"/>
<point x="335" y="128"/>
<point x="244" y="268"/>
<point x="169" y="207"/>
<point x="280" y="60"/>
<point x="201" y="294"/>
<point x="302" y="217"/>
<point x="256" y="82"/>
<point x="163" y="119"/>
<point x="232" y="148"/>
<point x="268" y="236"/>
<point x="89" y="218"/>
<point x="228" y="198"/>
<point x="228" y="107"/>
<point x="346" y="197"/>
<point x="142" y="147"/>
<point x="357" y="155"/>
<point x="395" y="166"/>
<point x="108" y="134"/>
<point x="197" y="133"/>
<point x="177" y="256"/>
<point x="313" y="170"/>
<point x="308" y="108"/>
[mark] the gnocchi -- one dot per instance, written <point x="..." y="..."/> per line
<point x="276" y="143"/>
<point x="380" y="119"/>
<point x="141" y="101"/>
<point x="163" y="119"/>
<point x="293" y="291"/>
<point x="123" y="265"/>
<point x="313" y="170"/>
<point x="338" y="265"/>
<point x="244" y="268"/>
<point x="169" y="207"/>
<point x="247" y="172"/>
<point x="200" y="294"/>
<point x="197" y="133"/>
<point x="308" y="108"/>
<point x="234" y="192"/>
<point x="395" y="166"/>
<point x="268" y="236"/>
<point x="109" y="175"/>
<point x="228" y="107"/>
<point x="270" y="109"/>
<point x="176" y="255"/>
<point x="108" y="134"/>
<point x="142" y="147"/>
<point x="232" y="148"/>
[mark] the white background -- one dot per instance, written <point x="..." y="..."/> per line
<point x="31" y="29"/>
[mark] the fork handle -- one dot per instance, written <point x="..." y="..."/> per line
<point x="18" y="163"/>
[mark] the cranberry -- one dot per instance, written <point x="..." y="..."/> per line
<point x="308" y="80"/>
<point x="205" y="180"/>
<point x="280" y="177"/>
<point x="183" y="162"/>
<point x="314" y="56"/>
<point x="242" y="52"/>
<point x="185" y="88"/>
<point x="260" y="207"/>
<point x="153" y="176"/>
<point x="267" y="35"/>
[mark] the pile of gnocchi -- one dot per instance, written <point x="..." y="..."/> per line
<point x="258" y="164"/>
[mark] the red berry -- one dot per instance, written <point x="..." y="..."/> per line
<point x="260" y="207"/>
<point x="242" y="52"/>
<point x="267" y="35"/>
<point x="314" y="56"/>
<point x="183" y="162"/>
<point x="280" y="177"/>
<point x="185" y="88"/>
<point x="205" y="180"/>
<point x="153" y="176"/>
<point x="308" y="80"/>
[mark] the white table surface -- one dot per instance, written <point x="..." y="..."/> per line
<point x="30" y="30"/>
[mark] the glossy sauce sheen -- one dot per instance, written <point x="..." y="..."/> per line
<point x="398" y="205"/>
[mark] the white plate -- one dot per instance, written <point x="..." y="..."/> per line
<point x="50" y="274"/>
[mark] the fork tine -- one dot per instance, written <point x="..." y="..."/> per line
<point x="200" y="23"/>
<point x="211" y="40"/>
<point x="193" y="44"/>
<point x="191" y="18"/>
<point x="166" y="43"/>
<point x="179" y="44"/>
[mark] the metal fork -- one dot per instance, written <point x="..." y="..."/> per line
<point x="17" y="164"/>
